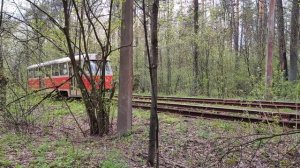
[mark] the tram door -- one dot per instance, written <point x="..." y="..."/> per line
<point x="73" y="85"/>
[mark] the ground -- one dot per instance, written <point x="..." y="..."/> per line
<point x="53" y="139"/>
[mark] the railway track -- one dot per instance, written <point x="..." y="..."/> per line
<point x="289" y="119"/>
<point x="231" y="102"/>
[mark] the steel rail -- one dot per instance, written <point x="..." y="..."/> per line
<point x="232" y="102"/>
<point x="219" y="114"/>
<point x="281" y="115"/>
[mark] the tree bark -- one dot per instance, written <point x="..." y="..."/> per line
<point x="169" y="65"/>
<point x="261" y="37"/>
<point x="196" y="48"/>
<point x="294" y="41"/>
<point x="269" y="65"/>
<point x="236" y="35"/>
<point x="281" y="40"/>
<point x="126" y="72"/>
<point x="169" y="72"/>
<point x="153" y="59"/>
<point x="3" y="80"/>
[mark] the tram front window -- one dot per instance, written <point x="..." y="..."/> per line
<point x="95" y="69"/>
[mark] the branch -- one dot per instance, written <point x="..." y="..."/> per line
<point x="48" y="15"/>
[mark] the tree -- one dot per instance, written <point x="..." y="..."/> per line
<point x="3" y="80"/>
<point x="281" y="40"/>
<point x="77" y="41"/>
<point x="168" y="56"/>
<point x="196" y="80"/>
<point x="294" y="41"/>
<point x="261" y="24"/>
<point x="269" y="66"/>
<point x="152" y="60"/>
<point x="236" y="33"/>
<point x="126" y="73"/>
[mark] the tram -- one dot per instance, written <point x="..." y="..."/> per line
<point x="58" y="74"/>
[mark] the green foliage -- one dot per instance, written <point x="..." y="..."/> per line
<point x="66" y="156"/>
<point x="281" y="89"/>
<point x="203" y="134"/>
<point x="232" y="160"/>
<point x="5" y="163"/>
<point x="170" y="119"/>
<point x="143" y="114"/>
<point x="182" y="127"/>
<point x="223" y="73"/>
<point x="113" y="160"/>
<point x="10" y="141"/>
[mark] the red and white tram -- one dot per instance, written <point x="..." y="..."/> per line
<point x="52" y="74"/>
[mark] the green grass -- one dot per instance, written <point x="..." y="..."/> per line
<point x="66" y="155"/>
<point x="182" y="127"/>
<point x="203" y="134"/>
<point x="113" y="160"/>
<point x="9" y="142"/>
<point x="169" y="119"/>
<point x="142" y="114"/>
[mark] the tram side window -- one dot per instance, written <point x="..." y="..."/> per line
<point x="94" y="67"/>
<point x="55" y="70"/>
<point x="35" y="72"/>
<point x="47" y="70"/>
<point x="38" y="72"/>
<point x="63" y="70"/>
<point x="108" y="70"/>
<point x="31" y="73"/>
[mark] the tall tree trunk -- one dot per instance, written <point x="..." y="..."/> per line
<point x="269" y="65"/>
<point x="3" y="80"/>
<point x="261" y="37"/>
<point x="294" y="41"/>
<point x="207" y="55"/>
<point x="168" y="36"/>
<point x="161" y="69"/>
<point x="281" y="40"/>
<point x="169" y="72"/>
<point x="236" y="35"/>
<point x="196" y="49"/>
<point x="126" y="74"/>
<point x="153" y="59"/>
<point x="230" y="9"/>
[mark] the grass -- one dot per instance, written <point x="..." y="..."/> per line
<point x="10" y="142"/>
<point x="179" y="138"/>
<point x="170" y="119"/>
<point x="114" y="160"/>
<point x="65" y="154"/>
<point x="181" y="127"/>
<point x="141" y="114"/>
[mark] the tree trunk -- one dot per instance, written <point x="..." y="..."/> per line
<point x="97" y="105"/>
<point x="260" y="37"/>
<point x="269" y="66"/>
<point x="3" y="80"/>
<point x="236" y="35"/>
<point x="196" y="49"/>
<point x="161" y="70"/>
<point x="153" y="59"/>
<point x="207" y="55"/>
<point x="169" y="72"/>
<point x="294" y="41"/>
<point x="281" y="40"/>
<point x="169" y="65"/>
<point x="126" y="73"/>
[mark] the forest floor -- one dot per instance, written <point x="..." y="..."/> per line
<point x="54" y="140"/>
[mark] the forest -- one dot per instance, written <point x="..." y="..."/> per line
<point x="149" y="83"/>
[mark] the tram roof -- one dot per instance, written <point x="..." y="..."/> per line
<point x="63" y="60"/>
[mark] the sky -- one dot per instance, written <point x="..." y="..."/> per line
<point x="10" y="6"/>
